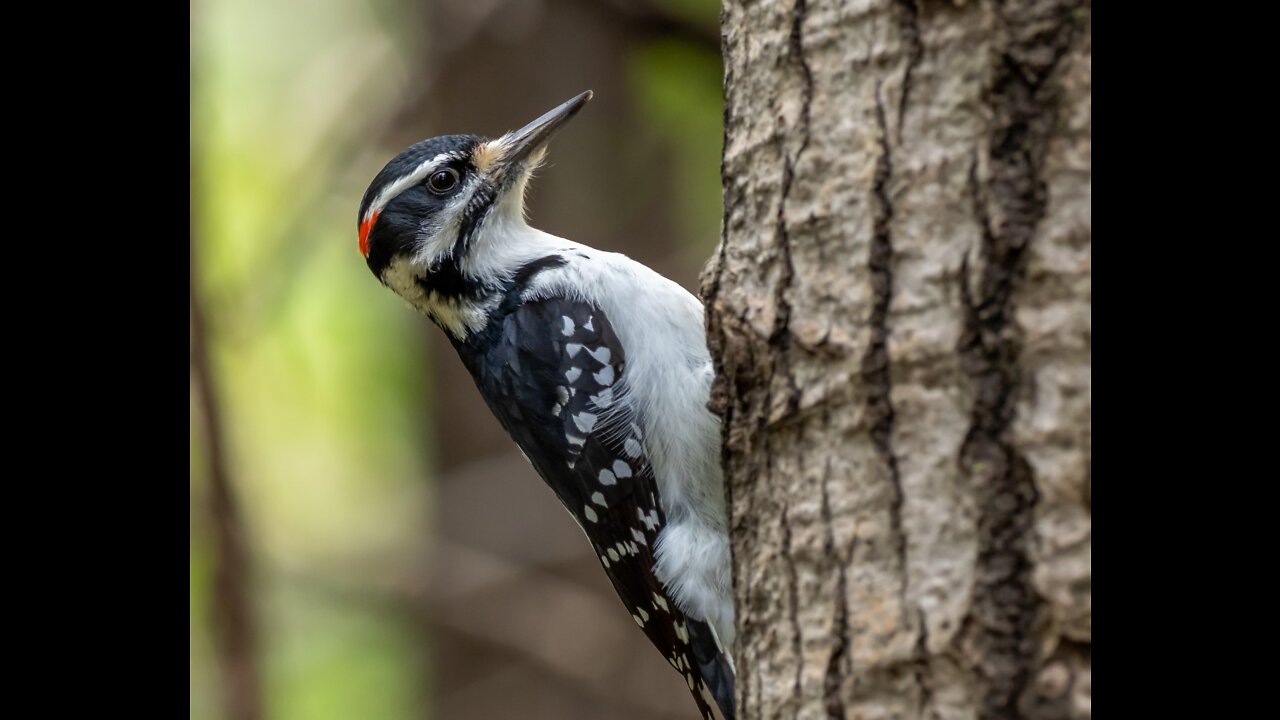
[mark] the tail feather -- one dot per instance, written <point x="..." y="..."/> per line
<point x="714" y="666"/>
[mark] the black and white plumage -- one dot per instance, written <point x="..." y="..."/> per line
<point x="594" y="364"/>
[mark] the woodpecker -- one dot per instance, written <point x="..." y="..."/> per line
<point x="596" y="365"/>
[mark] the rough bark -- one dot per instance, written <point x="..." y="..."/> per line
<point x="900" y="315"/>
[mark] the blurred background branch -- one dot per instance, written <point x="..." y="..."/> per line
<point x="232" y="615"/>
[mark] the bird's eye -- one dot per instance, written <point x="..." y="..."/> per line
<point x="442" y="181"/>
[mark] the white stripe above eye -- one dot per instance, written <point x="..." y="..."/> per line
<point x="404" y="182"/>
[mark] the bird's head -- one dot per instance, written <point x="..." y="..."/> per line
<point x="437" y="222"/>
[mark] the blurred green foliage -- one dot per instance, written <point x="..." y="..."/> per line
<point x="679" y="90"/>
<point x="323" y="417"/>
<point x="700" y="12"/>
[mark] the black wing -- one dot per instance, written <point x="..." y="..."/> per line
<point x="552" y="372"/>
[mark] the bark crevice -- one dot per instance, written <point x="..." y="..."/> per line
<point x="781" y="333"/>
<point x="920" y="665"/>
<point x="876" y="376"/>
<point x="1008" y="204"/>
<point x="833" y="699"/>
<point x="793" y="599"/>
<point x="908" y="12"/>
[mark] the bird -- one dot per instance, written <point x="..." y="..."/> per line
<point x="596" y="366"/>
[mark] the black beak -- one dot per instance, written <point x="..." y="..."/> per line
<point x="534" y="135"/>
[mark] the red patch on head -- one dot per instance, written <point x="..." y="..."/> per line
<point x="365" y="227"/>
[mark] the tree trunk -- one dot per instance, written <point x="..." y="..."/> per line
<point x="900" y="316"/>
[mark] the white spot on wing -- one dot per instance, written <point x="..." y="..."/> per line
<point x="562" y="394"/>
<point x="639" y="621"/>
<point x="607" y="478"/>
<point x="604" y="561"/>
<point x="638" y="534"/>
<point x="572" y="373"/>
<point x="591" y="515"/>
<point x="587" y="325"/>
<point x="601" y="354"/>
<point x="605" y="375"/>
<point x="604" y="399"/>
<point x="614" y="555"/>
<point x="661" y="602"/>
<point x="568" y="325"/>
<point x="575" y="440"/>
<point x="573" y="349"/>
<point x="585" y="421"/>
<point x="632" y="447"/>
<point x="651" y="520"/>
<point x="598" y="498"/>
<point x="621" y="469"/>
